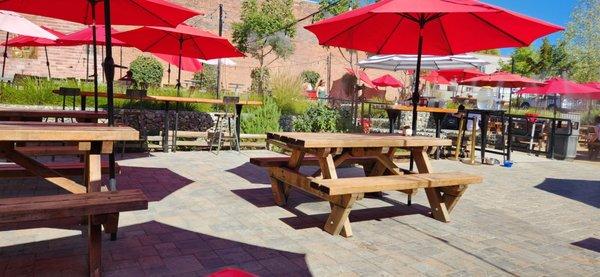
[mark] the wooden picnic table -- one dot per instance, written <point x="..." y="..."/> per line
<point x="173" y="99"/>
<point x="375" y="152"/>
<point x="92" y="142"/>
<point x="38" y="115"/>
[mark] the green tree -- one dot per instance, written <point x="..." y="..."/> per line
<point x="525" y="60"/>
<point x="583" y="41"/>
<point x="147" y="71"/>
<point x="266" y="30"/>
<point x="331" y="8"/>
<point x="207" y="78"/>
<point x="310" y="77"/>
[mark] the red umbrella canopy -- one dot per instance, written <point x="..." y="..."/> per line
<point x="123" y="12"/>
<point x="448" y="27"/>
<point x="194" y="42"/>
<point x="362" y="76"/>
<point x="388" y="80"/>
<point x="435" y="78"/>
<point x="460" y="74"/>
<point x="84" y="37"/>
<point x="187" y="64"/>
<point x="502" y="79"/>
<point x="562" y="86"/>
<point x="23" y="41"/>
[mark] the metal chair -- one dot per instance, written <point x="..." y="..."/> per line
<point x="224" y="129"/>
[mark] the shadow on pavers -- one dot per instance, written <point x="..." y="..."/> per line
<point x="150" y="248"/>
<point x="584" y="191"/>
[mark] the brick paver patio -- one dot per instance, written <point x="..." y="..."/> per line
<point x="208" y="212"/>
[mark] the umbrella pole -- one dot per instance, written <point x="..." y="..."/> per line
<point x="415" y="96"/>
<point x="95" y="55"/>
<point x="169" y="74"/>
<point x="87" y="62"/>
<point x="178" y="93"/>
<point x="121" y="61"/>
<point x="5" y="55"/>
<point x="47" y="62"/>
<point x="109" y="65"/>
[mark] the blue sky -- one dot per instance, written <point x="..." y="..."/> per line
<point x="553" y="11"/>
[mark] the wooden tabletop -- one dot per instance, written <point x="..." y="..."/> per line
<point x="342" y="140"/>
<point x="173" y="99"/>
<point x="65" y="132"/>
<point x="419" y="109"/>
<point x="36" y="113"/>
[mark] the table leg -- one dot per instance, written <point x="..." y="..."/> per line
<point x="438" y="117"/>
<point x="338" y="221"/>
<point x="509" y="138"/>
<point x="484" y="126"/>
<point x="281" y="190"/>
<point x="165" y="137"/>
<point x="238" y="120"/>
<point x="392" y="118"/>
<point x="434" y="195"/>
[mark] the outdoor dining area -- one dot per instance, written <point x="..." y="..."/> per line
<point x="402" y="200"/>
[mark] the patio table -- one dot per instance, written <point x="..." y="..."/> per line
<point x="333" y="149"/>
<point x="92" y="141"/>
<point x="173" y="99"/>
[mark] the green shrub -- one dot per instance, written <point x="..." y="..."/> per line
<point x="147" y="71"/>
<point x="318" y="118"/>
<point x="287" y="92"/>
<point x="258" y="85"/>
<point x="310" y="77"/>
<point x="589" y="117"/>
<point x="263" y="119"/>
<point x="207" y="78"/>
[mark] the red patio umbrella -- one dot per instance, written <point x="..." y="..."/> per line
<point x="502" y="79"/>
<point x="460" y="74"/>
<point x="182" y="41"/>
<point x="429" y="27"/>
<point x="388" y="80"/>
<point x="27" y="41"/>
<point x="85" y="36"/>
<point x="561" y="86"/>
<point x="595" y="85"/>
<point x="187" y="63"/>
<point x="90" y="12"/>
<point x="435" y="78"/>
<point x="556" y="86"/>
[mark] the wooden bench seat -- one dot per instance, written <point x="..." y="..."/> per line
<point x="63" y="168"/>
<point x="393" y="182"/>
<point x="307" y="161"/>
<point x="99" y="207"/>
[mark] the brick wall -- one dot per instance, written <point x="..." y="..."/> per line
<point x="308" y="55"/>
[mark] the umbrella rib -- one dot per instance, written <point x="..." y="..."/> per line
<point x="147" y="49"/>
<point x="498" y="29"/>
<point x="199" y="49"/>
<point x="448" y="44"/>
<point x="391" y="34"/>
<point x="351" y="27"/>
<point x="150" y="13"/>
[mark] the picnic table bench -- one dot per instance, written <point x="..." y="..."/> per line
<point x="95" y="208"/>
<point x="38" y="115"/>
<point x="375" y="153"/>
